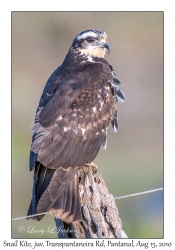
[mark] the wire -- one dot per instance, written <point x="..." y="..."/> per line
<point x="145" y="192"/>
<point x="116" y="198"/>
<point x="29" y="216"/>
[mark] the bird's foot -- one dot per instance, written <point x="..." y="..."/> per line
<point x="93" y="166"/>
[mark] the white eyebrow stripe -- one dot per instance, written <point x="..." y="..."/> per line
<point x="86" y="34"/>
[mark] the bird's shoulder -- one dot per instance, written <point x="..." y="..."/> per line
<point x="77" y="68"/>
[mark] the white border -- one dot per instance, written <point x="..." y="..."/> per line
<point x="5" y="93"/>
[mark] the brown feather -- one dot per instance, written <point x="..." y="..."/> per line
<point x="77" y="104"/>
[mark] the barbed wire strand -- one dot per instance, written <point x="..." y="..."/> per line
<point x="116" y="198"/>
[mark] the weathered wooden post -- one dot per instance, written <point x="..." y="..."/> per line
<point x="100" y="214"/>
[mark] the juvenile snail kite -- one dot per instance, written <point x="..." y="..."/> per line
<point x="71" y="122"/>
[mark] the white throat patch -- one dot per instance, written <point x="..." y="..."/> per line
<point x="96" y="52"/>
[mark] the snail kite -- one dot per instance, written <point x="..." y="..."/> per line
<point x="71" y="122"/>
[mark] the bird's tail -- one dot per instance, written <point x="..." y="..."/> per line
<point x="67" y="207"/>
<point x="58" y="193"/>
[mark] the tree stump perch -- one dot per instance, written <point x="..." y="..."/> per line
<point x="99" y="212"/>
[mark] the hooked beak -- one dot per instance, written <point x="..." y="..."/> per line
<point x="106" y="46"/>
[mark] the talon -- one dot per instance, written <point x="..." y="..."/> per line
<point x="93" y="166"/>
<point x="97" y="179"/>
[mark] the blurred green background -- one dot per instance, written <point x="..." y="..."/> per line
<point x="133" y="161"/>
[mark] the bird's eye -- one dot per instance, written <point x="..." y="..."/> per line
<point x="90" y="39"/>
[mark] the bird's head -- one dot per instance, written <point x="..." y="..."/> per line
<point x="92" y="43"/>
